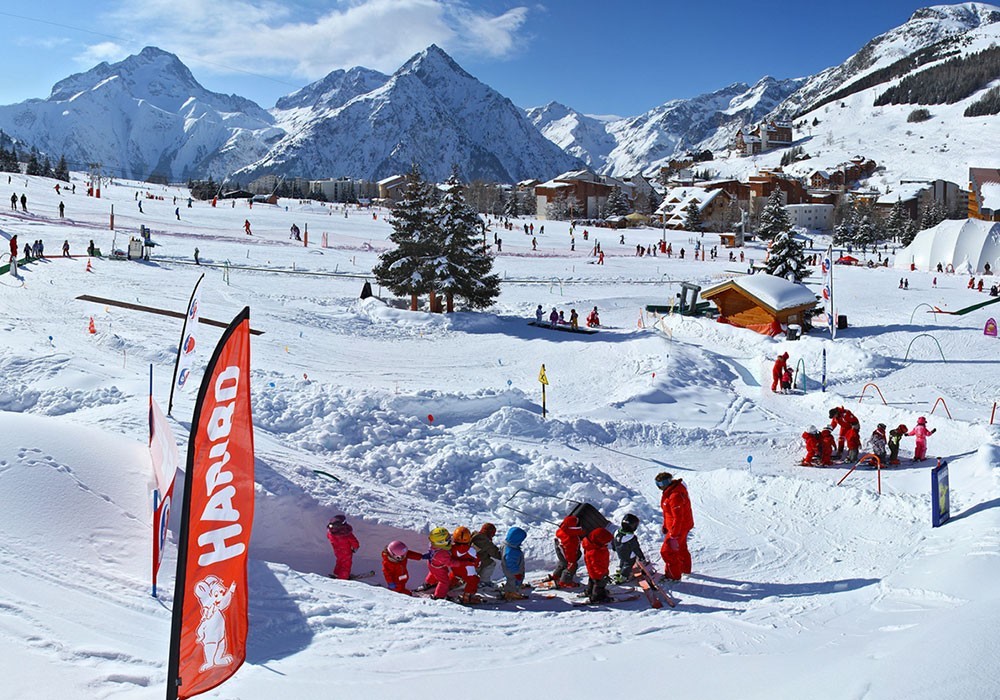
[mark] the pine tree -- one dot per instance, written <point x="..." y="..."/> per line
<point x="34" y="166"/>
<point x="909" y="233"/>
<point x="846" y="231"/>
<point x="773" y="218"/>
<point x="62" y="170"/>
<point x="692" y="217"/>
<point x="409" y="267"/>
<point x="512" y="207"/>
<point x="786" y="258"/>
<point x="617" y="203"/>
<point x="557" y="208"/>
<point x="463" y="267"/>
<point x="895" y="225"/>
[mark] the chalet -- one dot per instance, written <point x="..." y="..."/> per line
<point x="763" y="137"/>
<point x="767" y="181"/>
<point x="584" y="193"/>
<point x="762" y="303"/>
<point x="819" y="179"/>
<point x="673" y="210"/>
<point x="984" y="194"/>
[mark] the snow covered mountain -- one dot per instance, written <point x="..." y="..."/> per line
<point x="142" y="116"/>
<point x="430" y="112"/>
<point x="582" y="136"/>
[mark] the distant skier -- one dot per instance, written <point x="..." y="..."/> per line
<point x="539" y="315"/>
<point x="246" y="227"/>
<point x="62" y="210"/>
<point x="177" y="213"/>
<point x="24" y="202"/>
<point x="920" y="433"/>
<point x="553" y="318"/>
<point x="895" y="437"/>
<point x="13" y="201"/>
<point x="777" y="370"/>
<point x="626" y="546"/>
<point x="593" y="320"/>
<point x="598" y="559"/>
<point x="344" y="543"/>
<point x="65" y="248"/>
<point x="574" y="319"/>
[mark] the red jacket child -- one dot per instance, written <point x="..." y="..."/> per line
<point x="841" y="418"/>
<point x="394" y="560"/>
<point x="567" y="544"/>
<point x="464" y="563"/>
<point x="344" y="543"/>
<point x="826" y="446"/>
<point x="812" y="438"/>
<point x="596" y="554"/>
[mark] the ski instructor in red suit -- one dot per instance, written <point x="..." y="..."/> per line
<point x="777" y="370"/>
<point x="677" y="523"/>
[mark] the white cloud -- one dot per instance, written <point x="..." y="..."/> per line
<point x="105" y="51"/>
<point x="293" y="41"/>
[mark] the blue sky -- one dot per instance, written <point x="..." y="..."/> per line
<point x="596" y="56"/>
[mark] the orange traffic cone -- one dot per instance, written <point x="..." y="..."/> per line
<point x="88" y="265"/>
<point x="92" y="329"/>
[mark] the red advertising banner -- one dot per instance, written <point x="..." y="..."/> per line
<point x="166" y="460"/>
<point x="209" y="633"/>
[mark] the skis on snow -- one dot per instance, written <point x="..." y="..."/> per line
<point x="655" y="594"/>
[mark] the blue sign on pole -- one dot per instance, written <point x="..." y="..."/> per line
<point x="940" y="494"/>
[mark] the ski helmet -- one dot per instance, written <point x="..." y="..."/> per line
<point x="811" y="429"/>
<point x="397" y="550"/>
<point x="834" y="412"/>
<point x="663" y="480"/>
<point x="461" y="535"/>
<point x="630" y="523"/>
<point x="338" y="519"/>
<point x="902" y="429"/>
<point x="488" y="529"/>
<point x="440" y="538"/>
<point x="921" y="421"/>
<point x="880" y="426"/>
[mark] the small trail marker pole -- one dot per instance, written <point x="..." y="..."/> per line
<point x="544" y="381"/>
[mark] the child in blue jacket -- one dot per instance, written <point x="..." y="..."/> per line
<point x="512" y="562"/>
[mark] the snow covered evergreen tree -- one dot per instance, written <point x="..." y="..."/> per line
<point x="773" y="218"/>
<point x="557" y="208"/>
<point x="34" y="166"/>
<point x="895" y="225"/>
<point x="512" y="205"/>
<point x="692" y="217"/>
<point x="62" y="169"/>
<point x="617" y="203"/>
<point x="786" y="258"/>
<point x="463" y="267"/>
<point x="909" y="233"/>
<point x="409" y="268"/>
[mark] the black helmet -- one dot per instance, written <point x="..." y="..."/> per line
<point x="630" y="523"/>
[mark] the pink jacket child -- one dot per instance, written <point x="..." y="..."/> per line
<point x="344" y="543"/>
<point x="920" y="433"/>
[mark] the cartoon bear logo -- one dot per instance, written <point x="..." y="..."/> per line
<point x="211" y="633"/>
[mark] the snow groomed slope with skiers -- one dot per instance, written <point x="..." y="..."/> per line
<point x="798" y="587"/>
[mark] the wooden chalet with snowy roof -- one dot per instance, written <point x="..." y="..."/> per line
<point x="676" y="200"/>
<point x="762" y="303"/>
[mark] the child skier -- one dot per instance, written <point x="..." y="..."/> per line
<point x="626" y="546"/>
<point x="344" y="543"/>
<point x="489" y="553"/>
<point x="439" y="566"/>
<point x="786" y="381"/>
<point x="464" y="564"/>
<point x="539" y="315"/>
<point x="841" y="418"/>
<point x="853" y="439"/>
<point x="567" y="543"/>
<point x="895" y="436"/>
<point x="512" y="562"/>
<point x="826" y="447"/>
<point x="394" y="559"/>
<point x="920" y="433"/>
<point x="877" y="442"/>
<point x="812" y="438"/>
<point x="597" y="557"/>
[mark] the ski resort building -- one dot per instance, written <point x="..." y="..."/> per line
<point x="964" y="246"/>
<point x="762" y="303"/>
<point x="815" y="217"/>
<point x="581" y="192"/>
<point x="763" y="137"/>
<point x="672" y="212"/>
<point x="984" y="194"/>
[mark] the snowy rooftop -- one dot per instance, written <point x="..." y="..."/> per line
<point x="776" y="292"/>
<point x="903" y="192"/>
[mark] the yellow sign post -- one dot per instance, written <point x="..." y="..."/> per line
<point x="544" y="381"/>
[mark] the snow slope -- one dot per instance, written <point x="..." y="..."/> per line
<point x="801" y="588"/>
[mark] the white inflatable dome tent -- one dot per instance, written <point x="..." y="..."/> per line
<point x="964" y="246"/>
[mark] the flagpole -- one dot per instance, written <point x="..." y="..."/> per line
<point x="180" y="346"/>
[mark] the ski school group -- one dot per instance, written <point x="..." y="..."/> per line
<point x="820" y="444"/>
<point x="464" y="563"/>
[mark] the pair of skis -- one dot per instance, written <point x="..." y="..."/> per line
<point x="655" y="593"/>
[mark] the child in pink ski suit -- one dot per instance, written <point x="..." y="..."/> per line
<point x="344" y="543"/>
<point x="920" y="433"/>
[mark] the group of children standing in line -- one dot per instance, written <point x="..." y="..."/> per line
<point x="556" y="318"/>
<point x="821" y="446"/>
